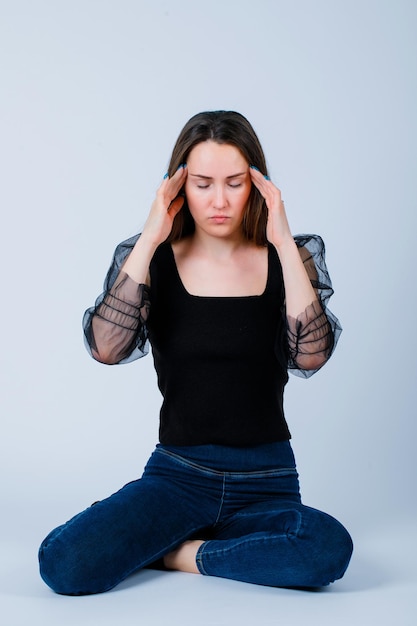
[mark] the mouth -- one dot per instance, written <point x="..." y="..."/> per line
<point x="219" y="219"/>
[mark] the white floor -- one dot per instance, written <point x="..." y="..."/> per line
<point x="380" y="588"/>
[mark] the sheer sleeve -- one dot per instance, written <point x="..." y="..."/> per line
<point x="313" y="335"/>
<point x="115" y="327"/>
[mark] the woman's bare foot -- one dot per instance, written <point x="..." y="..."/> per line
<point x="183" y="558"/>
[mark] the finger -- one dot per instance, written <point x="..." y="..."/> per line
<point x="259" y="181"/>
<point x="180" y="173"/>
<point x="268" y="191"/>
<point x="265" y="186"/>
<point x="174" y="184"/>
<point x="175" y="206"/>
<point x="170" y="187"/>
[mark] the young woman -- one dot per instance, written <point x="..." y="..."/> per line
<point x="229" y="301"/>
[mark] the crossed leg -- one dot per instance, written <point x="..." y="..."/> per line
<point x="284" y="544"/>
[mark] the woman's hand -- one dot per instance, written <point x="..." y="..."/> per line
<point x="165" y="207"/>
<point x="299" y="293"/>
<point x="277" y="229"/>
<point x="158" y="226"/>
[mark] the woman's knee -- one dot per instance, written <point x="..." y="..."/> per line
<point x="343" y="550"/>
<point x="332" y="550"/>
<point x="68" y="568"/>
<point x="59" y="569"/>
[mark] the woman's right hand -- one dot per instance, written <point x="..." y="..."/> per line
<point x="158" y="226"/>
<point x="165" y="207"/>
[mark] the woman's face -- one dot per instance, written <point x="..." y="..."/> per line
<point x="218" y="186"/>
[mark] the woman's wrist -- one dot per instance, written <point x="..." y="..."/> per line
<point x="285" y="246"/>
<point x="137" y="263"/>
<point x="149" y="240"/>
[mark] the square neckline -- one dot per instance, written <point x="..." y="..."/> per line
<point x="230" y="298"/>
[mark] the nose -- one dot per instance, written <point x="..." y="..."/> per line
<point x="219" y="200"/>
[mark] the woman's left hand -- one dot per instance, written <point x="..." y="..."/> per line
<point x="277" y="230"/>
<point x="299" y="293"/>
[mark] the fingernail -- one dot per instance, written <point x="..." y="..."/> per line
<point x="266" y="177"/>
<point x="181" y="166"/>
<point x="165" y="175"/>
<point x="253" y="167"/>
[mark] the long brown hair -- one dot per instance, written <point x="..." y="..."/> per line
<point x="223" y="127"/>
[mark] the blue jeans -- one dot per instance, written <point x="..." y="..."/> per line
<point x="244" y="502"/>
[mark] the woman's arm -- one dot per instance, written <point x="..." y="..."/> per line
<point x="115" y="328"/>
<point x="116" y="325"/>
<point x="310" y="334"/>
<point x="310" y="338"/>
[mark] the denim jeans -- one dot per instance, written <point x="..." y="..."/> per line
<point x="245" y="503"/>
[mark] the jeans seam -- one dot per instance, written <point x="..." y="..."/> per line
<point x="283" y="471"/>
<point x="199" y="558"/>
<point x="221" y="500"/>
<point x="172" y="546"/>
<point x="157" y="556"/>
<point x="187" y="463"/>
<point x="239" y="541"/>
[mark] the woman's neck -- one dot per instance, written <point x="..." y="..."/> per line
<point x="202" y="244"/>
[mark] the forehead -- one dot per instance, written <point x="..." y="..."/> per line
<point x="215" y="157"/>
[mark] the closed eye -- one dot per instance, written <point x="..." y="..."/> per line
<point x="231" y="185"/>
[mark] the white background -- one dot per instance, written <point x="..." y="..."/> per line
<point x="93" y="94"/>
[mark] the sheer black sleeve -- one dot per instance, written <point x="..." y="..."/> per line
<point x="313" y="335"/>
<point x="115" y="327"/>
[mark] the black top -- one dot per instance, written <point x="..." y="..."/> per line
<point x="215" y="357"/>
<point x="221" y="361"/>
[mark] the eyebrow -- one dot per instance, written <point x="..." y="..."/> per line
<point x="211" y="178"/>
